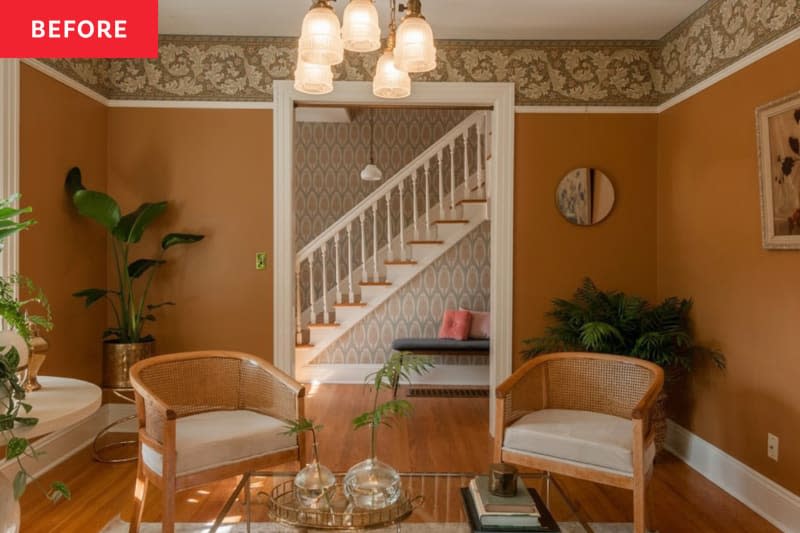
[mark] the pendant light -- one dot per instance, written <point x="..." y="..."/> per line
<point x="371" y="172"/>
<point x="361" y="31"/>
<point x="414" y="50"/>
<point x="320" y="38"/>
<point x="312" y="79"/>
<point x="389" y="81"/>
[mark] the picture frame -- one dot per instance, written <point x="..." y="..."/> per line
<point x="778" y="138"/>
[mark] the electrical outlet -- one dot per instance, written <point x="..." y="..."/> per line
<point x="261" y="260"/>
<point x="772" y="446"/>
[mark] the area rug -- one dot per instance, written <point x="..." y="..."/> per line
<point x="448" y="392"/>
<point x="119" y="526"/>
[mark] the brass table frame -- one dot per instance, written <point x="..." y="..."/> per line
<point x="97" y="449"/>
<point x="549" y="480"/>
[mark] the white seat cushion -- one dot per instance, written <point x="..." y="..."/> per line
<point x="581" y="437"/>
<point x="216" y="438"/>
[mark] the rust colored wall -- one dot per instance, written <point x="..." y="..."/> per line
<point x="709" y="247"/>
<point x="551" y="255"/>
<point x="215" y="169"/>
<point x="64" y="252"/>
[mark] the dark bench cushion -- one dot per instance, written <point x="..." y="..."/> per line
<point x="436" y="346"/>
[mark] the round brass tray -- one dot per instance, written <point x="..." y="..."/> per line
<point x="283" y="506"/>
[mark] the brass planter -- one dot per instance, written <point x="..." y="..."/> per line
<point x="119" y="357"/>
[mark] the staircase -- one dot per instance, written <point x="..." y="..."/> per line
<point x="381" y="244"/>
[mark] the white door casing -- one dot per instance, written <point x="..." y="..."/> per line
<point x="499" y="96"/>
<point x="9" y="153"/>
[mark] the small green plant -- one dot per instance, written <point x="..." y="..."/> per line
<point x="130" y="306"/>
<point x="399" y="366"/>
<point x="306" y="425"/>
<point x="618" y="323"/>
<point x="13" y="408"/>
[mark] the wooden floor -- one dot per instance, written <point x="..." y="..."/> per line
<point x="443" y="435"/>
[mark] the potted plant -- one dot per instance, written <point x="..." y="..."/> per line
<point x="372" y="484"/>
<point x="125" y="343"/>
<point x="618" y="323"/>
<point x="14" y="410"/>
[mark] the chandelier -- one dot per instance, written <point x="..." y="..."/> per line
<point x="409" y="46"/>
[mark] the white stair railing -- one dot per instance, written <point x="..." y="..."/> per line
<point x="382" y="201"/>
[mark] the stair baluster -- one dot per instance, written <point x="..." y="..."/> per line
<point x="466" y="164"/>
<point x="312" y="314"/>
<point x="402" y="224"/>
<point x="427" y="200"/>
<point x="452" y="147"/>
<point x="478" y="146"/>
<point x="389" y="252"/>
<point x="326" y="313"/>
<point x="364" y="276"/>
<point x="338" y="272"/>
<point x="351" y="294"/>
<point x="441" y="189"/>
<point x="299" y="306"/>
<point x="375" y="273"/>
<point x="415" y="211"/>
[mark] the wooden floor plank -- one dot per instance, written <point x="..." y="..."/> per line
<point x="444" y="434"/>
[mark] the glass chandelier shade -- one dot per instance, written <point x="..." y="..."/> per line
<point x="389" y="81"/>
<point x="361" y="31"/>
<point x="320" y="38"/>
<point x="415" y="51"/>
<point x="312" y="79"/>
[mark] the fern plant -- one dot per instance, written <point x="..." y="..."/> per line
<point x="399" y="366"/>
<point x="619" y="323"/>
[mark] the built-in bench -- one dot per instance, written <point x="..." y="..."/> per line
<point x="427" y="346"/>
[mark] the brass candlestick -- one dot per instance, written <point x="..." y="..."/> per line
<point x="38" y="354"/>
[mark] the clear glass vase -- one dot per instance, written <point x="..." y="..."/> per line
<point x="372" y="484"/>
<point x="314" y="486"/>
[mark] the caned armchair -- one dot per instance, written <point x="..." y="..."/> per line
<point x="582" y="415"/>
<point x="207" y="416"/>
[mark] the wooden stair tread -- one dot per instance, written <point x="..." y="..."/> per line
<point x="425" y="242"/>
<point x="471" y="201"/>
<point x="323" y="325"/>
<point x="304" y="345"/>
<point x="375" y="283"/>
<point x="351" y="304"/>
<point x="454" y="221"/>
<point x="399" y="262"/>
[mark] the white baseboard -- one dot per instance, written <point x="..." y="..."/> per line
<point x="472" y="375"/>
<point x="776" y="504"/>
<point x="57" y="447"/>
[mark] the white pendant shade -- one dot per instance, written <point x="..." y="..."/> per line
<point x="312" y="79"/>
<point x="414" y="50"/>
<point x="361" y="31"/>
<point x="320" y="38"/>
<point x="389" y="82"/>
<point x="371" y="173"/>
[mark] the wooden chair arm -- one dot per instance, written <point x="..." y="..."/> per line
<point x="505" y="388"/>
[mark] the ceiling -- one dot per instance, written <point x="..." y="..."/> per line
<point x="450" y="19"/>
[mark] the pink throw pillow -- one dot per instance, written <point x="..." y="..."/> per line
<point x="480" y="327"/>
<point x="455" y="325"/>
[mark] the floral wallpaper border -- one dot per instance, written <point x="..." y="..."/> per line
<point x="630" y="73"/>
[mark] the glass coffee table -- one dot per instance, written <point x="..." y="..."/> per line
<point x="434" y="498"/>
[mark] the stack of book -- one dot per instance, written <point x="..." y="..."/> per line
<point x="522" y="513"/>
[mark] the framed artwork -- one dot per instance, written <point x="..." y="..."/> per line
<point x="778" y="131"/>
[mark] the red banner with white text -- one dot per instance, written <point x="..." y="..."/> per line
<point x="79" y="28"/>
